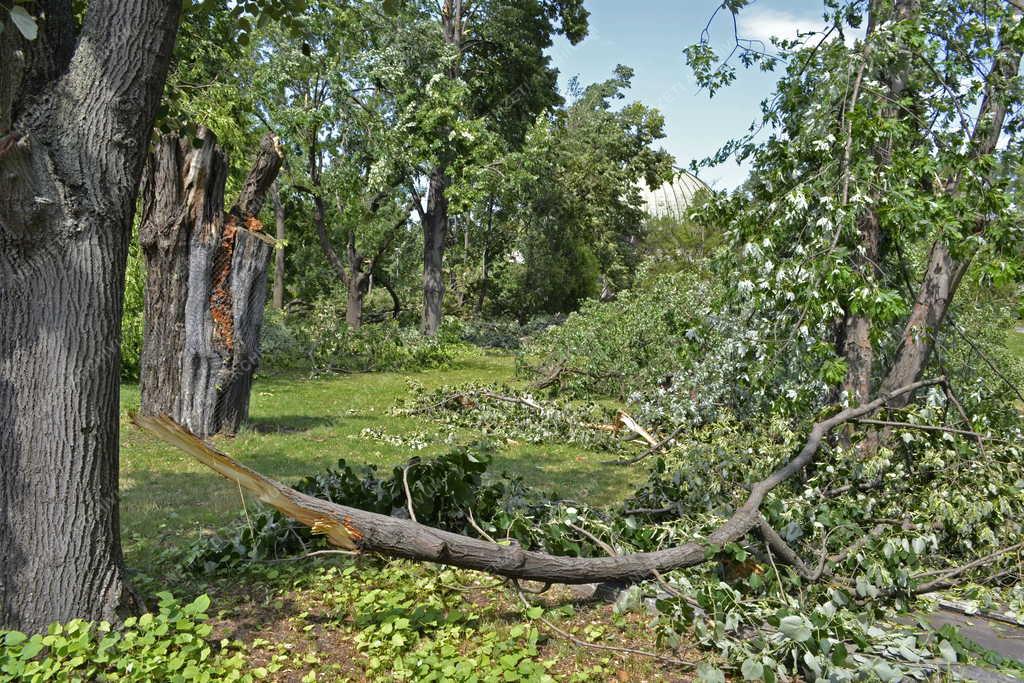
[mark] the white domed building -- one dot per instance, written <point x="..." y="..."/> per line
<point x="672" y="199"/>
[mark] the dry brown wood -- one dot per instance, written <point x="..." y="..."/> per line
<point x="355" y="529"/>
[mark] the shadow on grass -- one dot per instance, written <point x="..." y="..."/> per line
<point x="288" y="424"/>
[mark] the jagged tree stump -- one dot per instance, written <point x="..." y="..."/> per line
<point x="206" y="282"/>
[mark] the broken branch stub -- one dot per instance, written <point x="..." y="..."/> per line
<point x="355" y="529"/>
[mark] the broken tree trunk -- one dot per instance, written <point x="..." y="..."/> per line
<point x="355" y="529"/>
<point x="206" y="283"/>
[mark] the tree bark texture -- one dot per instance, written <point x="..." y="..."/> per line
<point x="206" y="283"/>
<point x="435" y="231"/>
<point x="76" y="113"/>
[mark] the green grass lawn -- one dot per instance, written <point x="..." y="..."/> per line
<point x="301" y="426"/>
<point x="1015" y="340"/>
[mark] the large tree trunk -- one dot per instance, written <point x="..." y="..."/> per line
<point x="357" y="288"/>
<point x="941" y="280"/>
<point x="77" y="113"/>
<point x="435" y="231"/>
<point x="857" y="347"/>
<point x="201" y="341"/>
<point x="275" y="195"/>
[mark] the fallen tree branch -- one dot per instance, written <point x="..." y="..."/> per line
<point x="786" y="553"/>
<point x="354" y="529"/>
<point x="632" y="425"/>
<point x="926" y="428"/>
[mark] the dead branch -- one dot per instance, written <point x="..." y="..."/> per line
<point x="945" y="575"/>
<point x="925" y="428"/>
<point x="786" y="554"/>
<point x="354" y="529"/>
<point x="554" y="376"/>
<point x="632" y="425"/>
<point x="650" y="451"/>
<point x="315" y="553"/>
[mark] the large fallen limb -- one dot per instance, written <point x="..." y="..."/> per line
<point x="355" y="529"/>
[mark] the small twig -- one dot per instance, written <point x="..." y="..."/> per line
<point x="252" y="530"/>
<point x="598" y="646"/>
<point x="315" y="553"/>
<point x="476" y="527"/>
<point x="650" y="451"/>
<point x="408" y="494"/>
<point x="951" y="396"/>
<point x="597" y="541"/>
<point x="649" y="511"/>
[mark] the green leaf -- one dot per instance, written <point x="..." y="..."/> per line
<point x="17" y="638"/>
<point x="752" y="670"/>
<point x="25" y="22"/>
<point x="710" y="674"/>
<point x="796" y="628"/>
<point x="534" y="612"/>
<point x="947" y="651"/>
<point x="200" y="605"/>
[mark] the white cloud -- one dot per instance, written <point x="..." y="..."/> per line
<point x="762" y="23"/>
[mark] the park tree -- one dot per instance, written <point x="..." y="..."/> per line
<point x="478" y="80"/>
<point x="570" y="198"/>
<point x="77" y="104"/>
<point x="319" y="94"/>
<point x="879" y="187"/>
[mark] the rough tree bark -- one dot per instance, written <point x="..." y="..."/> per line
<point x="76" y="111"/>
<point x="206" y="283"/>
<point x="358" y="284"/>
<point x="275" y="196"/>
<point x="363" y="531"/>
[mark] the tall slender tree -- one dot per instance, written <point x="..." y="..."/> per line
<point x="486" y="79"/>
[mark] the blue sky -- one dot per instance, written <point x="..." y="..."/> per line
<point x="649" y="36"/>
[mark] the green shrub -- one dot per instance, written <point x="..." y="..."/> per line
<point x="319" y="340"/>
<point x="505" y="334"/>
<point x="168" y="645"/>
